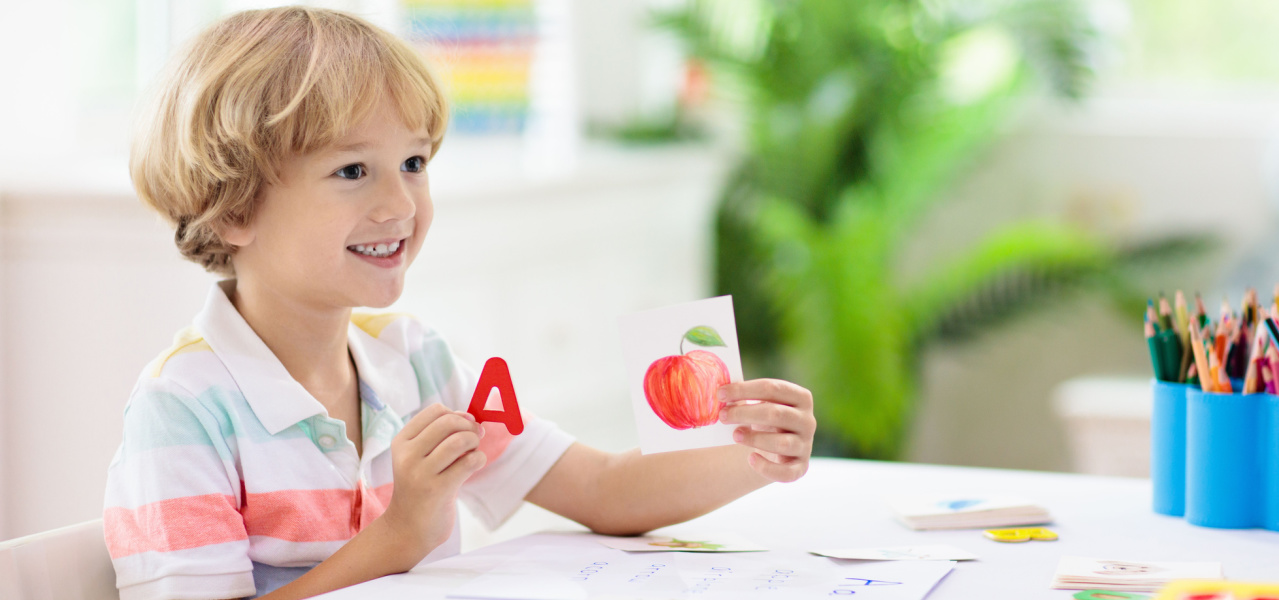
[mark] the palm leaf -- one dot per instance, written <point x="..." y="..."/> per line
<point x="1011" y="268"/>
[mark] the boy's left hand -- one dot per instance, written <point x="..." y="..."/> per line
<point x="779" y="426"/>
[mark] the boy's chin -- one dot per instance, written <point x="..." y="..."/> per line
<point x="380" y="298"/>
<point x="379" y="302"/>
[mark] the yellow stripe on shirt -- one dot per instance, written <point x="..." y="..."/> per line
<point x="187" y="340"/>
<point x="374" y="323"/>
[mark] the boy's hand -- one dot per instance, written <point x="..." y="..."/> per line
<point x="431" y="456"/>
<point x="778" y="424"/>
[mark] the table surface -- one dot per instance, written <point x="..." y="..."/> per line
<point x="839" y="504"/>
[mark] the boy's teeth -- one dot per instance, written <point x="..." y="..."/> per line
<point x="379" y="250"/>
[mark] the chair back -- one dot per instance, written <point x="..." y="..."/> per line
<point x="67" y="563"/>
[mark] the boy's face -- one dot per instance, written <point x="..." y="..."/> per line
<point x="342" y="225"/>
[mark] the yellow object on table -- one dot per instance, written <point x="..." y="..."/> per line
<point x="1208" y="589"/>
<point x="1021" y="534"/>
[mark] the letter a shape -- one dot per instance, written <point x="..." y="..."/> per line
<point x="497" y="375"/>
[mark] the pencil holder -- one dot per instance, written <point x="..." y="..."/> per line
<point x="1270" y="462"/>
<point x="1224" y="470"/>
<point x="1168" y="447"/>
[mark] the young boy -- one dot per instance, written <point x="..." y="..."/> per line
<point x="284" y="446"/>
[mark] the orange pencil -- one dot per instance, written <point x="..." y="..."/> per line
<point x="1219" y="341"/>
<point x="1219" y="377"/>
<point x="1201" y="361"/>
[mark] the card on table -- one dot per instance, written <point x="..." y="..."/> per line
<point x="676" y="359"/>
<point x="664" y="543"/>
<point x="965" y="511"/>
<point x="1079" y="573"/>
<point x="932" y="552"/>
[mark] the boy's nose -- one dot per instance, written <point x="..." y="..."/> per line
<point x="395" y="201"/>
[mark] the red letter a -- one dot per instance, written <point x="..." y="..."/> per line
<point x="496" y="375"/>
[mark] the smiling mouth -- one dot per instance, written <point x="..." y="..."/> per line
<point x="379" y="250"/>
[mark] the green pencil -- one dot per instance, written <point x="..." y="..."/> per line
<point x="1170" y="352"/>
<point x="1156" y="354"/>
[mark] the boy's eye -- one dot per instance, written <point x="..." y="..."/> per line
<point x="351" y="172"/>
<point x="414" y="164"/>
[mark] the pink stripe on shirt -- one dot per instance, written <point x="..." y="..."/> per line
<point x="301" y="515"/>
<point x="174" y="524"/>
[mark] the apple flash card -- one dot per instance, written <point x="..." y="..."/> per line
<point x="676" y="359"/>
<point x="665" y="543"/>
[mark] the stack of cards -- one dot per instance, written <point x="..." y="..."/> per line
<point x="966" y="512"/>
<point x="1076" y="573"/>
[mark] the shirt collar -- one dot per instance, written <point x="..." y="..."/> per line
<point x="385" y="370"/>
<point x="277" y="399"/>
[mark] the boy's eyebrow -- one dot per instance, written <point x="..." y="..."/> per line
<point x="362" y="145"/>
<point x="352" y="147"/>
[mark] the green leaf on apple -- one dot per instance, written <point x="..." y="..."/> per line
<point x="703" y="335"/>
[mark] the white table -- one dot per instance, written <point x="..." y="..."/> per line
<point x="839" y="505"/>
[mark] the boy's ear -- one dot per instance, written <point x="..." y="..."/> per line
<point x="236" y="235"/>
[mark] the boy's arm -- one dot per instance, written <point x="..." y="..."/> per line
<point x="434" y="453"/>
<point x="631" y="493"/>
<point x="379" y="549"/>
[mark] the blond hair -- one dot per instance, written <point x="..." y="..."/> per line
<point x="253" y="89"/>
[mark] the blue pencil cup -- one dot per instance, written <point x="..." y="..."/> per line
<point x="1168" y="447"/>
<point x="1270" y="461"/>
<point x="1225" y="484"/>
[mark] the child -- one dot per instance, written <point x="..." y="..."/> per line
<point x="285" y="446"/>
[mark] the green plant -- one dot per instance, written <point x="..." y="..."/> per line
<point x="857" y="114"/>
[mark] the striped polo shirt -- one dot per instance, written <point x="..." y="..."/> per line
<point x="232" y="480"/>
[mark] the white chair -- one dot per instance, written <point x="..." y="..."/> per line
<point x="68" y="563"/>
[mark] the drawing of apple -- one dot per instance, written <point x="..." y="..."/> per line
<point x="681" y="388"/>
<point x="691" y="545"/>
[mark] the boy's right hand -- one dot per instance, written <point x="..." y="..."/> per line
<point x="431" y="456"/>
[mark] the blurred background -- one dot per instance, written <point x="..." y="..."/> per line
<point x="942" y="217"/>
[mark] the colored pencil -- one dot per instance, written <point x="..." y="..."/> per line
<point x="1155" y="358"/>
<point x="1183" y="317"/>
<point x="1201" y="359"/>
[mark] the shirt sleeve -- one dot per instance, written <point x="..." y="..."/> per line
<point x="516" y="463"/>
<point x="171" y="517"/>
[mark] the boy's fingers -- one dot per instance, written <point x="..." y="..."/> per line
<point x="768" y="414"/>
<point x="781" y="444"/>
<point x="437" y="431"/>
<point x="449" y="451"/>
<point x="462" y="468"/>
<point x="785" y="471"/>
<point x="423" y="418"/>
<point x="770" y="390"/>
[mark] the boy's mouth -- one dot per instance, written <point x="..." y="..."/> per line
<point x="382" y="250"/>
